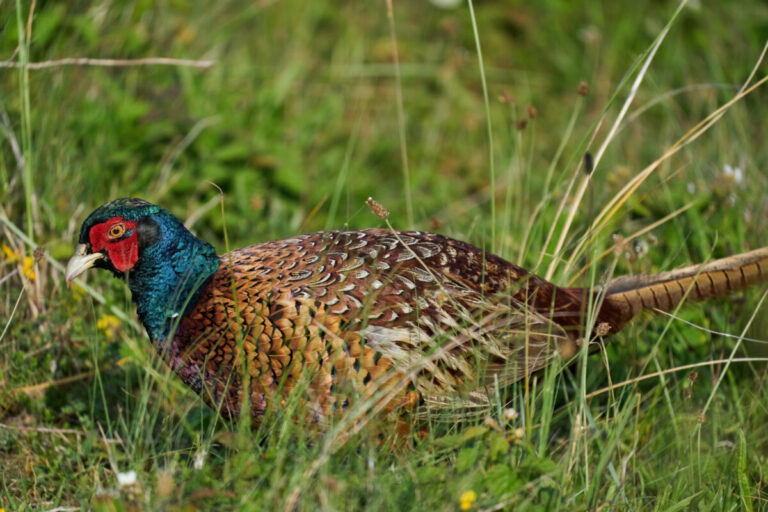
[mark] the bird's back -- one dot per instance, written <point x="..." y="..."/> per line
<point x="362" y="311"/>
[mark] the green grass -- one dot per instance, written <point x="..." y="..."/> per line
<point x="298" y="123"/>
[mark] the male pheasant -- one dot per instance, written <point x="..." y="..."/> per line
<point x="409" y="315"/>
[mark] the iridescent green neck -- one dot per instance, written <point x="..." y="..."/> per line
<point x="173" y="267"/>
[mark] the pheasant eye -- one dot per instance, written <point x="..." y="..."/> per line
<point x="116" y="231"/>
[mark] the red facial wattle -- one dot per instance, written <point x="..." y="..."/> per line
<point x="123" y="250"/>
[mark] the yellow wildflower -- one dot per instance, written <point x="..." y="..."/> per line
<point x="466" y="499"/>
<point x="28" y="268"/>
<point x="108" y="324"/>
<point x="10" y="256"/>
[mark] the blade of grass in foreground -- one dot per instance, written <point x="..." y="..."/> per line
<point x="400" y="115"/>
<point x="491" y="165"/>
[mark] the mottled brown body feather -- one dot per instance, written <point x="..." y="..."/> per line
<point x="361" y="311"/>
<point x="365" y="309"/>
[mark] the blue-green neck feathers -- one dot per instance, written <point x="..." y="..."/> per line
<point x="173" y="265"/>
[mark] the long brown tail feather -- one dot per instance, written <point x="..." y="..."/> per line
<point x="627" y="296"/>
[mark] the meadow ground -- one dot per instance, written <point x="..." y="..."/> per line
<point x="307" y="109"/>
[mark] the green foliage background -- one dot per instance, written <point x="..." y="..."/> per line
<point x="297" y="123"/>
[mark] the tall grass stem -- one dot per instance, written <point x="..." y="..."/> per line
<point x="26" y="136"/>
<point x="400" y="115"/>
<point x="488" y="122"/>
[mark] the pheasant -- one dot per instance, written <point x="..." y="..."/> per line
<point x="406" y="317"/>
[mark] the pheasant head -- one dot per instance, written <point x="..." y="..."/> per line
<point x="163" y="263"/>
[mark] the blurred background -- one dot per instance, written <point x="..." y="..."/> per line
<point x="297" y="118"/>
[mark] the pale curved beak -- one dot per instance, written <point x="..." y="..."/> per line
<point x="80" y="262"/>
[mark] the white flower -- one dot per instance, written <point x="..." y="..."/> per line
<point x="734" y="172"/>
<point x="127" y="478"/>
<point x="199" y="460"/>
<point x="691" y="188"/>
<point x="510" y="414"/>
